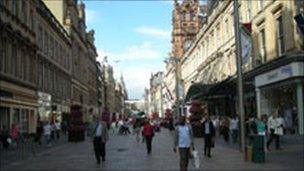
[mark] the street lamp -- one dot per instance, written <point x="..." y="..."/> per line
<point x="176" y="61"/>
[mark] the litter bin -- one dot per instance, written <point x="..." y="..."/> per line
<point x="257" y="144"/>
<point x="248" y="152"/>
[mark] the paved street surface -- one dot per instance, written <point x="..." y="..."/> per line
<point x="124" y="153"/>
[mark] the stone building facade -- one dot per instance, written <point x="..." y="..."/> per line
<point x="156" y="91"/>
<point x="18" y="71"/>
<point x="273" y="71"/>
<point x="54" y="64"/>
<point x="187" y="18"/>
<point x="71" y="14"/>
<point x="48" y="61"/>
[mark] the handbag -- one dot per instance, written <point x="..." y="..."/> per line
<point x="195" y="159"/>
<point x="9" y="140"/>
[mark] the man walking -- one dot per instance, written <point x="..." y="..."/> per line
<point x="275" y="127"/>
<point x="47" y="129"/>
<point x="183" y="139"/>
<point x="100" y="138"/>
<point x="234" y="128"/>
<point x="209" y="134"/>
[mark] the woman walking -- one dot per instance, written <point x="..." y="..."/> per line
<point x="148" y="133"/>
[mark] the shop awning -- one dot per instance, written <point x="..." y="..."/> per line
<point x="196" y="90"/>
<point x="204" y="91"/>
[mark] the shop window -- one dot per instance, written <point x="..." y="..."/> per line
<point x="16" y="116"/>
<point x="4" y="117"/>
<point x="24" y="125"/>
<point x="280" y="36"/>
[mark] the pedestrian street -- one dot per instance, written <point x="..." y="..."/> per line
<point x="125" y="153"/>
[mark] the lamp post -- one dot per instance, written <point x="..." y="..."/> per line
<point x="239" y="72"/>
<point x="176" y="60"/>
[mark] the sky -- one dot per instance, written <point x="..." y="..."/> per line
<point x="136" y="37"/>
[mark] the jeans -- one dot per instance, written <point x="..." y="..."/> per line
<point x="234" y="135"/>
<point x="208" y="142"/>
<point x="184" y="154"/>
<point x="149" y="144"/>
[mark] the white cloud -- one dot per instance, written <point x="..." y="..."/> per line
<point x="143" y="51"/>
<point x="138" y="77"/>
<point x="137" y="74"/>
<point x="91" y="15"/>
<point x="155" y="32"/>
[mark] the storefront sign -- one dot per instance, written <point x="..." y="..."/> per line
<point x="295" y="69"/>
<point x="44" y="99"/>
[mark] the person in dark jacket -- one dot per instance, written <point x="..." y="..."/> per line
<point x="39" y="131"/>
<point x="209" y="134"/>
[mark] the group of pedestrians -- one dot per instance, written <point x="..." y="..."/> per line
<point x="271" y="127"/>
<point x="13" y="137"/>
<point x="183" y="135"/>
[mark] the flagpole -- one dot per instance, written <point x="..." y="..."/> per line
<point x="239" y="74"/>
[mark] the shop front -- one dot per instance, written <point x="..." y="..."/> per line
<point x="18" y="105"/>
<point x="45" y="106"/>
<point x="281" y="89"/>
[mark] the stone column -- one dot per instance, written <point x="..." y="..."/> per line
<point x="300" y="107"/>
<point x="258" y="101"/>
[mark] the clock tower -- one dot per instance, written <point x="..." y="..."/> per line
<point x="186" y="23"/>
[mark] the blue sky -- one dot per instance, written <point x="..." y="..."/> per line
<point x="135" y="33"/>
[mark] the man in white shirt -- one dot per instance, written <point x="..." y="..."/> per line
<point x="100" y="138"/>
<point x="47" y="129"/>
<point x="275" y="128"/>
<point x="183" y="139"/>
<point x="234" y="128"/>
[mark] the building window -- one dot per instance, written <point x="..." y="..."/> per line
<point x="15" y="7"/>
<point x="24" y="11"/>
<point x="8" y="57"/>
<point x="249" y="6"/>
<point x="188" y="17"/>
<point x="3" y="53"/>
<point x="23" y="64"/>
<point x="262" y="46"/>
<point x="33" y="70"/>
<point x="40" y="75"/>
<point x="19" y="65"/>
<point x="31" y="20"/>
<point x="52" y="47"/>
<point x="227" y="29"/>
<point x="56" y="51"/>
<point x="260" y="4"/>
<point x="14" y="60"/>
<point x="49" y="53"/>
<point x="218" y="37"/>
<point x="40" y="37"/>
<point x="46" y="39"/>
<point x="280" y="36"/>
